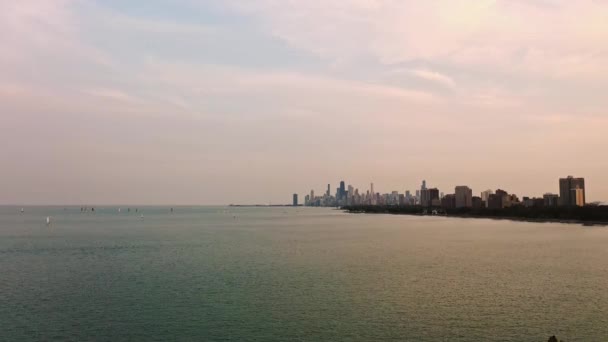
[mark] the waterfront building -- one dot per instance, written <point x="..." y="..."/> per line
<point x="498" y="200"/>
<point x="578" y="196"/>
<point x="372" y="195"/>
<point x="464" y="197"/>
<point x="295" y="200"/>
<point x="485" y="196"/>
<point x="401" y="200"/>
<point x="550" y="200"/>
<point x="425" y="200"/>
<point x="434" y="195"/>
<point x="568" y="193"/>
<point x="494" y="201"/>
<point x="477" y="203"/>
<point x="448" y="201"/>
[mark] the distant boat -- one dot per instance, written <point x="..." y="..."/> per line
<point x="48" y="220"/>
<point x="142" y="216"/>
<point x="119" y="209"/>
<point x="22" y="210"/>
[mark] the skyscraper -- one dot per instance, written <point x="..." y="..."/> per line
<point x="568" y="193"/>
<point x="342" y="192"/>
<point x="372" y="194"/>
<point x="425" y="198"/>
<point x="485" y="197"/>
<point x="434" y="197"/>
<point x="328" y="190"/>
<point x="295" y="200"/>
<point x="464" y="197"/>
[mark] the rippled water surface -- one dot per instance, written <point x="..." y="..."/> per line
<point x="284" y="274"/>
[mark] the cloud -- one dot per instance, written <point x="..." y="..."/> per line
<point x="217" y="92"/>
<point x="569" y="35"/>
<point x="433" y="76"/>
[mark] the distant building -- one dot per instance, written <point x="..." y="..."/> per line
<point x="494" y="201"/>
<point x="498" y="200"/>
<point x="485" y="196"/>
<point x="424" y="198"/>
<point x="373" y="200"/>
<point x="568" y="193"/>
<point x="511" y="200"/>
<point x="464" y="197"/>
<point x="578" y="195"/>
<point x="448" y="201"/>
<point x="401" y="200"/>
<point x="342" y="191"/>
<point x="307" y="200"/>
<point x="477" y="203"/>
<point x="433" y="194"/>
<point x="295" y="200"/>
<point x="550" y="200"/>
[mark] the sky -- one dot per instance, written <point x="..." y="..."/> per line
<point x="249" y="101"/>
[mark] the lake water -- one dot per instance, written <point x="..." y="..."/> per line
<point x="296" y="274"/>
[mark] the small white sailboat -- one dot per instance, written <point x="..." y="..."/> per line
<point x="119" y="209"/>
<point x="48" y="220"/>
<point x="142" y="216"/>
<point x="22" y="210"/>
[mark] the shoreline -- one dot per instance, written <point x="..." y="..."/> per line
<point x="488" y="217"/>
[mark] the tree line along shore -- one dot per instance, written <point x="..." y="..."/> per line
<point x="592" y="215"/>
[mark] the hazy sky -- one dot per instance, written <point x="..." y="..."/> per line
<point x="226" y="101"/>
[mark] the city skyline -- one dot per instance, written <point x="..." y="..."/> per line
<point x="216" y="102"/>
<point x="571" y="192"/>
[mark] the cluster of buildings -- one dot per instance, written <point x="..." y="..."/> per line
<point x="571" y="193"/>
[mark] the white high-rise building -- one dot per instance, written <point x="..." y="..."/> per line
<point x="485" y="196"/>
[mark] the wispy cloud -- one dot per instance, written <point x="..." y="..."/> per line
<point x="432" y="76"/>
